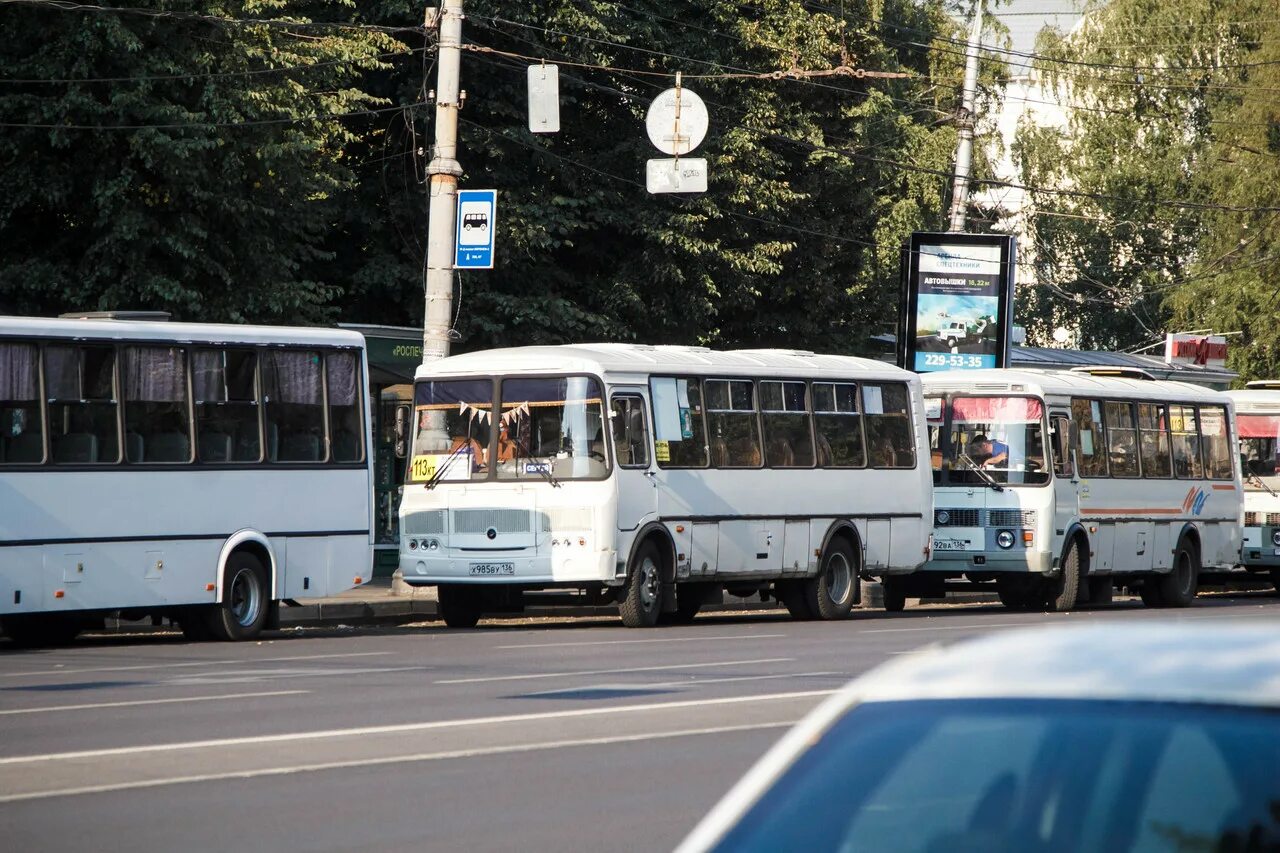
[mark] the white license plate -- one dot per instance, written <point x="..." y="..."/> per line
<point x="493" y="568"/>
<point x="950" y="545"/>
<point x="1277" y="552"/>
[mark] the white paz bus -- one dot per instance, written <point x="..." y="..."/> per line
<point x="1258" y="423"/>
<point x="1057" y="486"/>
<point x="657" y="477"/>
<point x="201" y="473"/>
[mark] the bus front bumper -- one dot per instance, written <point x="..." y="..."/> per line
<point x="1020" y="561"/>
<point x="1259" y="548"/>
<point x="418" y="569"/>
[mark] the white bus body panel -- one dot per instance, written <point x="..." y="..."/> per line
<point x="1261" y="524"/>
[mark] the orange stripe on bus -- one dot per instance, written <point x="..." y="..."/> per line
<point x="1224" y="488"/>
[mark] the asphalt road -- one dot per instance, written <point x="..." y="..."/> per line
<point x="549" y="735"/>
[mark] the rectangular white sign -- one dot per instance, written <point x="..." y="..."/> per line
<point x="686" y="175"/>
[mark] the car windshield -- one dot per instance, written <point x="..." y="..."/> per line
<point x="1033" y="775"/>
<point x="1259" y="447"/>
<point x="551" y="428"/>
<point x="983" y="440"/>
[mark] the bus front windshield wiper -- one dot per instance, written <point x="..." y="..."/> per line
<point x="543" y="468"/>
<point x="1251" y="477"/>
<point x="444" y="465"/>
<point x="982" y="474"/>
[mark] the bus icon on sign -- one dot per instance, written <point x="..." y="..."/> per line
<point x="475" y="227"/>
<point x="479" y="221"/>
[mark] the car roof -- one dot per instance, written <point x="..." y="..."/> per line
<point x="1217" y="662"/>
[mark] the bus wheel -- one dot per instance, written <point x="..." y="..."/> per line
<point x="642" y="604"/>
<point x="829" y="593"/>
<point x="688" y="603"/>
<point x="245" y="599"/>
<point x="1101" y="590"/>
<point x="459" y="605"/>
<point x="895" y="594"/>
<point x="1178" y="588"/>
<point x="47" y="630"/>
<point x="1017" y="592"/>
<point x="1150" y="592"/>
<point x="792" y="596"/>
<point x="1064" y="591"/>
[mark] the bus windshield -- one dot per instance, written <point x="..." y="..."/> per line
<point x="453" y="423"/>
<point x="551" y="427"/>
<point x="1259" y="447"/>
<point x="980" y="440"/>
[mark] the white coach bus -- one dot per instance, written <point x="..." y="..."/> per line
<point x="1258" y="423"/>
<point x="196" y="472"/>
<point x="658" y="476"/>
<point x="1058" y="486"/>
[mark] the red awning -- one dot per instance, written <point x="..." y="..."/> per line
<point x="1258" y="426"/>
<point x="996" y="410"/>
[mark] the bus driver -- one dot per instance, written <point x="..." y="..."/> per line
<point x="997" y="452"/>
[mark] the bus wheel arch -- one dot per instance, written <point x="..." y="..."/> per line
<point x="650" y="573"/>
<point x="259" y="546"/>
<point x="836" y="587"/>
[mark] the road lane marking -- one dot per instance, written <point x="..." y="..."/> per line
<point x="216" y="662"/>
<point x="479" y="752"/>
<point x="248" y="676"/>
<point x="637" y="642"/>
<point x="536" y="675"/>
<point x="697" y="682"/>
<point x="398" y="728"/>
<point x="951" y="627"/>
<point x="96" y="705"/>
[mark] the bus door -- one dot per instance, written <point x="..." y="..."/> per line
<point x="1066" y="480"/>
<point x="629" y="424"/>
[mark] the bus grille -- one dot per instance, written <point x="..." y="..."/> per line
<point x="960" y="518"/>
<point x="428" y="523"/>
<point x="1011" y="518"/>
<point x="501" y="520"/>
<point x="1250" y="519"/>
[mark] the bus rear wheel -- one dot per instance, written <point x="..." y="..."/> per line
<point x="829" y="593"/>
<point x="246" y="600"/>
<point x="459" y="605"/>
<point x="1178" y="588"/>
<point x="642" y="603"/>
<point x="791" y="594"/>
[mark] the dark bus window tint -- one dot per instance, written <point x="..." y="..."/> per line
<point x="731" y="422"/>
<point x="226" y="394"/>
<point x="788" y="442"/>
<point x="346" y="426"/>
<point x="1087" y="415"/>
<point x="890" y="435"/>
<point x="81" y="387"/>
<point x="1153" y="436"/>
<point x="1122" y="439"/>
<point x="293" y="399"/>
<point x="1185" y="429"/>
<point x="21" y="435"/>
<point x="1217" y="445"/>
<point x="630" y="431"/>
<point x="837" y="420"/>
<point x="157" y="427"/>
<point x="680" y="434"/>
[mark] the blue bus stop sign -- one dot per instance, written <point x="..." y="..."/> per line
<point x="477" y="215"/>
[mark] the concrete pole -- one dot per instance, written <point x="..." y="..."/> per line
<point x="964" y="150"/>
<point x="444" y="171"/>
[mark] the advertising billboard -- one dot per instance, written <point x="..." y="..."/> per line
<point x="957" y="305"/>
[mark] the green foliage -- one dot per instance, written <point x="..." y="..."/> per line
<point x="813" y="185"/>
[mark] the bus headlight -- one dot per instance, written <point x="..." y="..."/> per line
<point x="941" y="517"/>
<point x="1275" y="537"/>
<point x="1005" y="539"/>
<point x="431" y="544"/>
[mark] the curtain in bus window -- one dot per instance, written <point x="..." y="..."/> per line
<point x="1216" y="442"/>
<point x="292" y="394"/>
<point x="1122" y="439"/>
<point x="787" y="439"/>
<point x="1259" y="447"/>
<point x="1153" y="437"/>
<point x="454" y="425"/>
<point x="21" y="438"/>
<point x="344" y="406"/>
<point x="80" y="384"/>
<point x="1087" y="415"/>
<point x="226" y="400"/>
<point x="155" y="405"/>
<point x="731" y="423"/>
<point x="1185" y="431"/>
<point x="890" y="437"/>
<point x="837" y="421"/>
<point x="557" y="425"/>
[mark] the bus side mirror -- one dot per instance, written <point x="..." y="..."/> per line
<point x="402" y="431"/>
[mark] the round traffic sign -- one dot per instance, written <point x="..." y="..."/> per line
<point x="677" y="121"/>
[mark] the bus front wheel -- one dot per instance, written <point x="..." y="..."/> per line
<point x="895" y="594"/>
<point x="642" y="604"/>
<point x="245" y="599"/>
<point x="459" y="605"/>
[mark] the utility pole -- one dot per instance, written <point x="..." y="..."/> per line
<point x="443" y="172"/>
<point x="964" y="150"/>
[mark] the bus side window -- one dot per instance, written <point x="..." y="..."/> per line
<point x="293" y="402"/>
<point x="731" y="421"/>
<point x="890" y="436"/>
<point x="1217" y="446"/>
<point x="1153" y="437"/>
<point x="1122" y="439"/>
<point x="679" y="429"/>
<point x="225" y="383"/>
<point x="346" y="426"/>
<point x="630" y="431"/>
<point x="788" y="440"/>
<point x="21" y="415"/>
<point x="1092" y="444"/>
<point x="1062" y="464"/>
<point x="81" y="387"/>
<point x="837" y="421"/>
<point x="1185" y="428"/>
<point x="157" y="424"/>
